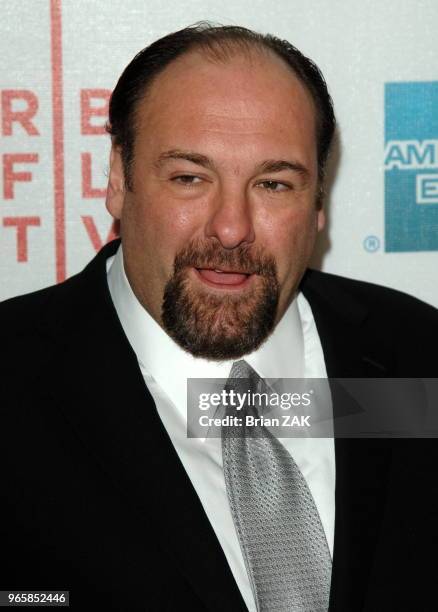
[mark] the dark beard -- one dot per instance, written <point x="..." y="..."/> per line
<point x="215" y="326"/>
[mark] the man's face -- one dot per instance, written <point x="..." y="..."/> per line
<point x="221" y="219"/>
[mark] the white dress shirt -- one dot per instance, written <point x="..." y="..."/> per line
<point x="293" y="350"/>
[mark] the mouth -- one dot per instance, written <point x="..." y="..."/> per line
<point x="221" y="278"/>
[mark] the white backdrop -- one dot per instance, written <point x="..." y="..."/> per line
<point x="61" y="58"/>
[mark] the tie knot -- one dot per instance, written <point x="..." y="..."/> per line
<point x="245" y="381"/>
<point x="242" y="369"/>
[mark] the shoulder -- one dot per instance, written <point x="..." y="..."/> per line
<point x="24" y="309"/>
<point x="27" y="325"/>
<point x="396" y="329"/>
<point x="369" y="297"/>
<point x="64" y="303"/>
<point x="25" y="313"/>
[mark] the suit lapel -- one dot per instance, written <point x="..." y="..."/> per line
<point x="102" y="393"/>
<point x="361" y="464"/>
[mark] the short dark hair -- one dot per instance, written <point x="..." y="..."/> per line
<point x="222" y="43"/>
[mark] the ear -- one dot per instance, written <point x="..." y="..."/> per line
<point x="116" y="184"/>
<point x="321" y="219"/>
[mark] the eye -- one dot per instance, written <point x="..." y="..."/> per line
<point x="275" y="186"/>
<point x="188" y="180"/>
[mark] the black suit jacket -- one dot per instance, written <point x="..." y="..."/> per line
<point x="95" y="500"/>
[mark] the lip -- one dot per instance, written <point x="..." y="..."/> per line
<point x="232" y="281"/>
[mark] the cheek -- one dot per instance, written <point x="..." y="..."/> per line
<point x="161" y="229"/>
<point x="292" y="241"/>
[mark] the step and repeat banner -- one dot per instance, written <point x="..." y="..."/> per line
<point x="61" y="59"/>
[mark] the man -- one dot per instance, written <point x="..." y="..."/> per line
<point x="220" y="140"/>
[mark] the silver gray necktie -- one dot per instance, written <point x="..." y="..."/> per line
<point x="278" y="525"/>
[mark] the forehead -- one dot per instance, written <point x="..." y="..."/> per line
<point x="246" y="95"/>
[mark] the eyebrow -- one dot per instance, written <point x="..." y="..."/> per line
<point x="196" y="158"/>
<point x="277" y="165"/>
<point x="269" y="165"/>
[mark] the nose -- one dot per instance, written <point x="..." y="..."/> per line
<point x="231" y="219"/>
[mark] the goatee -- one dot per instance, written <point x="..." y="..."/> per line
<point x="220" y="325"/>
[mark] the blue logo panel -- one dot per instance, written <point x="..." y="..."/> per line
<point x="411" y="166"/>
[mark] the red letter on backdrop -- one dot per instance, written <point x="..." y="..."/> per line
<point x="24" y="116"/>
<point x="93" y="234"/>
<point x="88" y="111"/>
<point x="10" y="177"/>
<point x="21" y="223"/>
<point x="88" y="191"/>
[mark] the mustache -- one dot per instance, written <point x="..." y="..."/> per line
<point x="244" y="258"/>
